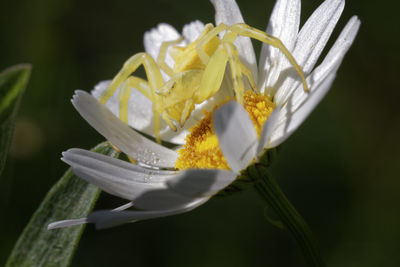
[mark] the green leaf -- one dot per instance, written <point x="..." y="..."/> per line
<point x="12" y="84"/>
<point x="70" y="198"/>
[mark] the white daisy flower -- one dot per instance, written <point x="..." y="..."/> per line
<point x="223" y="142"/>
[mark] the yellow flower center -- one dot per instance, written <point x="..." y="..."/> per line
<point x="202" y="149"/>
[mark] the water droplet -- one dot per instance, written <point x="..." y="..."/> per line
<point x="148" y="178"/>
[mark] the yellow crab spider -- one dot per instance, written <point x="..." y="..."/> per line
<point x="196" y="75"/>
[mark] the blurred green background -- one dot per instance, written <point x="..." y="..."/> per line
<point x="340" y="169"/>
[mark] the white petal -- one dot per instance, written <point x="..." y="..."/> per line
<point x="292" y="121"/>
<point x="192" y="30"/>
<point x="236" y="135"/>
<point x="200" y="182"/>
<point x="301" y="104"/>
<point x="124" y="207"/>
<point x="155" y="37"/>
<point x="74" y="222"/>
<point x="335" y="55"/>
<point x="108" y="218"/>
<point x="310" y="42"/>
<point x="331" y="62"/>
<point x="228" y="12"/>
<point x="115" y="176"/>
<point x="315" y="33"/>
<point x="268" y="129"/>
<point x="66" y="223"/>
<point x="146" y="188"/>
<point x="118" y="133"/>
<point x="283" y="24"/>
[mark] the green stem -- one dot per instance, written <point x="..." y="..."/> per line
<point x="270" y="191"/>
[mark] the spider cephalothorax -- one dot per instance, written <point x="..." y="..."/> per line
<point x="196" y="76"/>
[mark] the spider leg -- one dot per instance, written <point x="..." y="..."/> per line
<point x="215" y="70"/>
<point x="213" y="75"/>
<point x="203" y="41"/>
<point x="162" y="55"/>
<point x="246" y="30"/>
<point x="152" y="71"/>
<point x="168" y="120"/>
<point x="125" y="92"/>
<point x="247" y="73"/>
<point x="236" y="70"/>
<point x="154" y="81"/>
<point x="189" y="106"/>
<point x="215" y="65"/>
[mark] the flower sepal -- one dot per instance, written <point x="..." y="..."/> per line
<point x="244" y="179"/>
